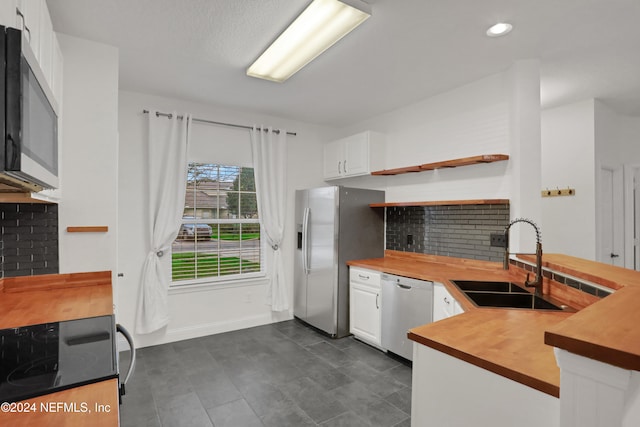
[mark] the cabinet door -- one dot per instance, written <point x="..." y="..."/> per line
<point x="356" y="149"/>
<point x="365" y="313"/>
<point x="46" y="44"/>
<point x="30" y="10"/>
<point x="443" y="303"/>
<point x="8" y="13"/>
<point x="457" y="309"/>
<point x="56" y="70"/>
<point x="333" y="159"/>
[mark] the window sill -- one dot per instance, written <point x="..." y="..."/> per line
<point x="201" y="286"/>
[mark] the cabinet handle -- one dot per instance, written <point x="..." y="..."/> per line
<point x="363" y="277"/>
<point x="377" y="306"/>
<point x="446" y="301"/>
<point x="344" y="166"/>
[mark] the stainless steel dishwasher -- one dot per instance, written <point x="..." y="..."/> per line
<point x="406" y="303"/>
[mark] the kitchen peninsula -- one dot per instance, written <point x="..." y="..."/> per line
<point x="500" y="364"/>
<point x="53" y="298"/>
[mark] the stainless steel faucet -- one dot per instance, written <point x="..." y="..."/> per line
<point x="537" y="283"/>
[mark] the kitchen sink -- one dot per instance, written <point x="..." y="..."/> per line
<point x="502" y="294"/>
<point x="517" y="300"/>
<point x="474" y="285"/>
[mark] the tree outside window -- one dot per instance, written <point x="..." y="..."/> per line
<point x="220" y="232"/>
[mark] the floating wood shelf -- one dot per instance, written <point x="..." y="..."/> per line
<point x="443" y="203"/>
<point x="398" y="171"/>
<point x="88" y="229"/>
<point x="465" y="161"/>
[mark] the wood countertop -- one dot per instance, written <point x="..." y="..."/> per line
<point x="608" y="330"/>
<point x="94" y="405"/>
<point x="517" y="343"/>
<point x="30" y="300"/>
<point x="52" y="298"/>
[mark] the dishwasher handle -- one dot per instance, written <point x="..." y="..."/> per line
<point x="406" y="287"/>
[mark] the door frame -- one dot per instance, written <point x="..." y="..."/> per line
<point x="629" y="217"/>
<point x="618" y="215"/>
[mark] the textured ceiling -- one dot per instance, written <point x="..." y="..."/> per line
<point x="407" y="51"/>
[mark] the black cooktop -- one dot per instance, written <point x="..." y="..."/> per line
<point x="49" y="357"/>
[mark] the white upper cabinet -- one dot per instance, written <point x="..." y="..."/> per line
<point x="8" y="16"/>
<point x="33" y="18"/>
<point x="354" y="155"/>
<point x="28" y="20"/>
<point x="56" y="70"/>
<point x="45" y="58"/>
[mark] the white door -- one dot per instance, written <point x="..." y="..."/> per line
<point x="611" y="230"/>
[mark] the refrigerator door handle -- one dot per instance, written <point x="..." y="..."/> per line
<point x="305" y="241"/>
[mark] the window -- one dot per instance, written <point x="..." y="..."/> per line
<point x="220" y="232"/>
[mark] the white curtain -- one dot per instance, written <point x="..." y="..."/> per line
<point x="269" y="152"/>
<point x="167" y="174"/>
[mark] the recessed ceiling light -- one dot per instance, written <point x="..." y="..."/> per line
<point x="500" y="29"/>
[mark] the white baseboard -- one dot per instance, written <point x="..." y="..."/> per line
<point x="196" y="331"/>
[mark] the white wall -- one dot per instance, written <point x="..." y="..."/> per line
<point x="577" y="139"/>
<point x="89" y="155"/>
<point x="499" y="114"/>
<point x="617" y="137"/>
<point x="568" y="160"/>
<point x="525" y="155"/>
<point x="629" y="138"/>
<point x="200" y="311"/>
<point x="467" y="121"/>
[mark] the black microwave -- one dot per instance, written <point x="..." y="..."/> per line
<point x="29" y="116"/>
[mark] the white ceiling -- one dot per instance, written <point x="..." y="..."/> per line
<point x="407" y="51"/>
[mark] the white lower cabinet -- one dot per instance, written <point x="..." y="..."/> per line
<point x="365" y="300"/>
<point x="444" y="305"/>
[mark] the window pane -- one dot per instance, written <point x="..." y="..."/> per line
<point x="206" y="247"/>
<point x="250" y="248"/>
<point x="248" y="205"/>
<point x="234" y="249"/>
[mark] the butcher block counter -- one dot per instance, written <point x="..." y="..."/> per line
<point x="518" y="344"/>
<point x="53" y="298"/>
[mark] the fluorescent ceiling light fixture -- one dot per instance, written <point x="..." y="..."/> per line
<point x="318" y="27"/>
<point x="500" y="29"/>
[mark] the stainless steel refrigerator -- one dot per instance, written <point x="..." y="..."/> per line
<point x="334" y="225"/>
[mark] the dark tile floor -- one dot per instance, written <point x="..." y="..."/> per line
<point x="284" y="374"/>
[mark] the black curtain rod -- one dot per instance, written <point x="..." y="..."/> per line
<point x="170" y="115"/>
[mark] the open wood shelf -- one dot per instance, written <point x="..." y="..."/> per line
<point x="443" y="203"/>
<point x="89" y="229"/>
<point x="465" y="161"/>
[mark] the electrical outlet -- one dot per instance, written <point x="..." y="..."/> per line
<point x="409" y="239"/>
<point x="498" y="240"/>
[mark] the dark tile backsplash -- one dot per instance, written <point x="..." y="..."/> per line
<point x="459" y="231"/>
<point x="29" y="239"/>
